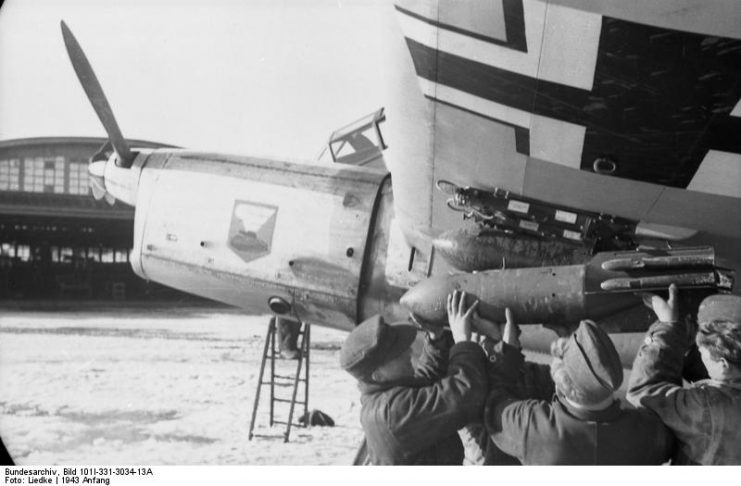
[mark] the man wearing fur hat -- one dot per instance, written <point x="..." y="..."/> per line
<point x="706" y="416"/>
<point x="411" y="416"/>
<point x="583" y="422"/>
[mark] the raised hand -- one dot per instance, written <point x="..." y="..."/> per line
<point x="486" y="327"/>
<point x="666" y="310"/>
<point x="511" y="333"/>
<point x="459" y="317"/>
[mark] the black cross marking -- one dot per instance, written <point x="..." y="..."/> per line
<point x="661" y="98"/>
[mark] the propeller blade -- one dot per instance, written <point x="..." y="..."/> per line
<point x="97" y="98"/>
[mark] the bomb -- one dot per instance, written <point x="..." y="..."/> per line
<point x="603" y="286"/>
<point x="473" y="249"/>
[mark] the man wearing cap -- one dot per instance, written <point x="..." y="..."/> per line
<point x="706" y="416"/>
<point x="583" y="422"/>
<point x="411" y="416"/>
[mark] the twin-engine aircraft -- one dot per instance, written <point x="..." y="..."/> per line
<point x="581" y="151"/>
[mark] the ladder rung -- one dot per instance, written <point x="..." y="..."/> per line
<point x="280" y="383"/>
<point x="270" y="353"/>
<point x="287" y="401"/>
<point x="276" y="383"/>
<point x="276" y="354"/>
<point x="266" y="436"/>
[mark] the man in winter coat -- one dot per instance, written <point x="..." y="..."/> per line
<point x="411" y="416"/>
<point x="583" y="423"/>
<point x="706" y="416"/>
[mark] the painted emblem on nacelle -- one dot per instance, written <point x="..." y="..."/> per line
<point x="251" y="229"/>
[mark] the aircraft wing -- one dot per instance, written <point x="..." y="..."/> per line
<point x="624" y="108"/>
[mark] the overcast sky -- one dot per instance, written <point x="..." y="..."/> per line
<point x="235" y="76"/>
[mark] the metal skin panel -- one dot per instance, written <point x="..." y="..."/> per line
<point x="145" y="190"/>
<point x="717" y="215"/>
<point x="721" y="214"/>
<point x="715" y="17"/>
<point x="240" y="230"/>
<point x="380" y="290"/>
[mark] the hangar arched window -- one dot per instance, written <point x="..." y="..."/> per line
<point x="107" y="255"/>
<point x="10" y="175"/>
<point x="23" y="253"/>
<point x="78" y="178"/>
<point x="33" y="174"/>
<point x="7" y="249"/>
<point x="54" y="174"/>
<point x="66" y="254"/>
<point x="93" y="254"/>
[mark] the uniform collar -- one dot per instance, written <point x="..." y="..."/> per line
<point x="735" y="384"/>
<point x="605" y="415"/>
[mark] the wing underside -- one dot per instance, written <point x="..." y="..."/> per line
<point x="612" y="107"/>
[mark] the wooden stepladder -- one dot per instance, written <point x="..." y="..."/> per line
<point x="279" y="379"/>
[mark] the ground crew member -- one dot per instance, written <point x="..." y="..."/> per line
<point x="288" y="331"/>
<point x="584" y="422"/>
<point x="411" y="416"/>
<point x="706" y="416"/>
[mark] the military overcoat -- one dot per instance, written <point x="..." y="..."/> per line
<point x="415" y="421"/>
<point x="705" y="417"/>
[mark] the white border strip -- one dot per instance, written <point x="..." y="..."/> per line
<point x="476" y="104"/>
<point x="562" y="44"/>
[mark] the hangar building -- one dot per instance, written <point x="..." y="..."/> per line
<point x="56" y="241"/>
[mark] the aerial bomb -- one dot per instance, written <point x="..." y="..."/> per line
<point x="535" y="295"/>
<point x="568" y="293"/>
<point x="472" y="249"/>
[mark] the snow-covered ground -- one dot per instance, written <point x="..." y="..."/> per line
<point x="168" y="386"/>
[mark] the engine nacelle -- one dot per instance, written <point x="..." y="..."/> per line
<point x="264" y="235"/>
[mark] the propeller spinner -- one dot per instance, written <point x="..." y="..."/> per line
<point x="97" y="98"/>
